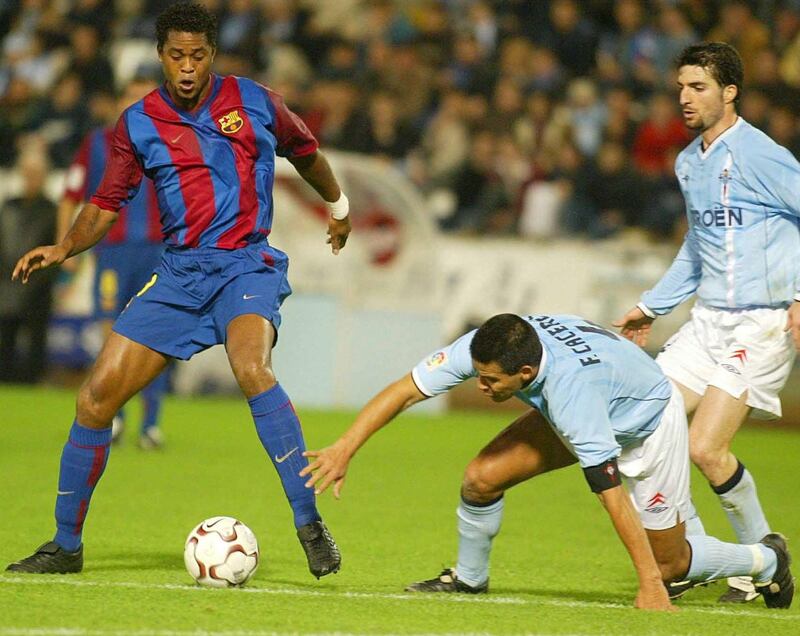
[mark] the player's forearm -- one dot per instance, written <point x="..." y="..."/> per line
<point x="317" y="172"/>
<point x="379" y="411"/>
<point x="66" y="209"/>
<point x="629" y="528"/>
<point x="91" y="225"/>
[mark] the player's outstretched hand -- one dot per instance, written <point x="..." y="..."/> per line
<point x="654" y="597"/>
<point x="793" y="323"/>
<point x="635" y="326"/>
<point x="338" y="231"/>
<point x="38" y="258"/>
<point x="329" y="466"/>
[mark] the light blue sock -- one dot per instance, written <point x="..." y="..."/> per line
<point x="739" y="499"/>
<point x="712" y="559"/>
<point x="694" y="526"/>
<point x="477" y="526"/>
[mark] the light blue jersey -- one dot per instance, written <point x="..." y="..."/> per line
<point x="601" y="393"/>
<point x="742" y="250"/>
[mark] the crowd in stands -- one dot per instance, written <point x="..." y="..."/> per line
<point x="531" y="117"/>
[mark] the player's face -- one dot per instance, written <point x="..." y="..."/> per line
<point x="498" y="385"/>
<point x="703" y="101"/>
<point x="186" y="59"/>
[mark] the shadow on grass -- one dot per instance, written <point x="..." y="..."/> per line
<point x="109" y="562"/>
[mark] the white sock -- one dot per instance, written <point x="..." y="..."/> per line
<point x="739" y="499"/>
<point x="477" y="526"/>
<point x="712" y="559"/>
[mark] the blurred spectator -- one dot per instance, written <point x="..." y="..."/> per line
<point x="87" y="60"/>
<point x="586" y="115"/>
<point x="615" y="192"/>
<point x="783" y="128"/>
<point x="571" y="36"/>
<point x="740" y="28"/>
<point x="25" y="222"/>
<point x="755" y="108"/>
<point x="766" y="78"/>
<point x="61" y="120"/>
<point x="18" y="112"/>
<point x="385" y="134"/>
<point x="96" y="13"/>
<point x="675" y="33"/>
<point x="481" y="199"/>
<point x="623" y="116"/>
<point x="658" y="136"/>
<point x="627" y="55"/>
<point x="426" y="83"/>
<point x="445" y="141"/>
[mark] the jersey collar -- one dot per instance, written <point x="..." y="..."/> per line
<point x="704" y="153"/>
<point x="216" y="82"/>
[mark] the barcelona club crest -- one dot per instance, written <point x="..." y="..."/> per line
<point x="230" y="123"/>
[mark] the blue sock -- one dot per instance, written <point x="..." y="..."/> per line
<point x="712" y="559"/>
<point x="152" y="395"/>
<point x="279" y="431"/>
<point x="83" y="461"/>
<point x="477" y="526"/>
<point x="739" y="499"/>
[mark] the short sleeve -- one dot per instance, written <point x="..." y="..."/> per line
<point x="445" y="368"/>
<point x="294" y="137"/>
<point x="123" y="174"/>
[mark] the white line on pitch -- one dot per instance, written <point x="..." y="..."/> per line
<point x="456" y="598"/>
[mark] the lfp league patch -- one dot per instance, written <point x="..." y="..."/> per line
<point x="436" y="360"/>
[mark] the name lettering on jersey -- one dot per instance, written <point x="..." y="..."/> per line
<point x="718" y="217"/>
<point x="230" y="123"/>
<point x="571" y="340"/>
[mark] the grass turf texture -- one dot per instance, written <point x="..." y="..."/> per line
<point x="557" y="566"/>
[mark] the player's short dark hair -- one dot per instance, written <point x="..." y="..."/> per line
<point x="186" y="17"/>
<point x="509" y="341"/>
<point x="720" y="60"/>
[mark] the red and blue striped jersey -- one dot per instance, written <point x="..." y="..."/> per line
<point x="213" y="167"/>
<point x="138" y="221"/>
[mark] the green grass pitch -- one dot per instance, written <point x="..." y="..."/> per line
<point x="557" y="566"/>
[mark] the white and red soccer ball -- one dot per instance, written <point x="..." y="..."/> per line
<point x="221" y="552"/>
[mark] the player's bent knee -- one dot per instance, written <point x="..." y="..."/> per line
<point x="478" y="484"/>
<point x="93" y="408"/>
<point x="254" y="377"/>
<point x="708" y="458"/>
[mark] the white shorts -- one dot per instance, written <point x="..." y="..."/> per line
<point x="656" y="471"/>
<point x="735" y="351"/>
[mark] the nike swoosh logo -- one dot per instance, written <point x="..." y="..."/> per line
<point x="280" y="460"/>
<point x="177" y="139"/>
<point x="66" y="492"/>
<point x="246" y="297"/>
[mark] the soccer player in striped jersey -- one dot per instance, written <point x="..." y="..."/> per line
<point x="596" y="399"/>
<point x="741" y="257"/>
<point x="209" y="144"/>
<point x="126" y="256"/>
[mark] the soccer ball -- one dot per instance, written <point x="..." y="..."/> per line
<point x="221" y="552"/>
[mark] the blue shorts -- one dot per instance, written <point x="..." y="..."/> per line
<point x="193" y="294"/>
<point x="120" y="272"/>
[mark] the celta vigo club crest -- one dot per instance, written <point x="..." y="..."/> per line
<point x="230" y="123"/>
